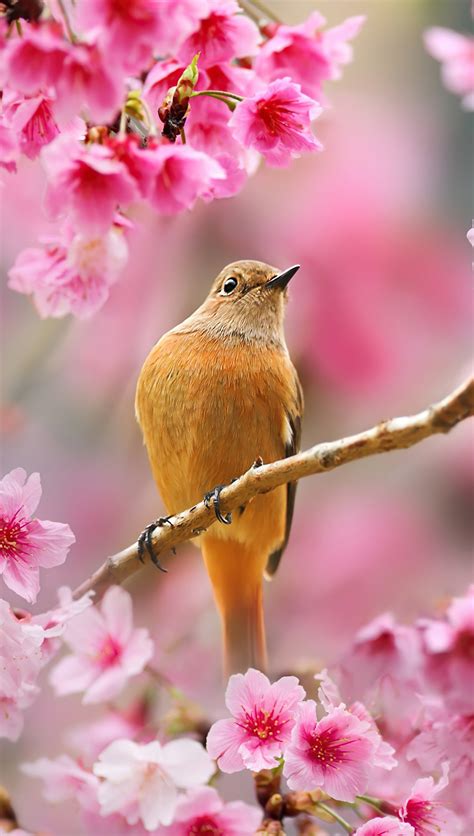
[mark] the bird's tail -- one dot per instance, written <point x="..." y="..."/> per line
<point x="236" y="576"/>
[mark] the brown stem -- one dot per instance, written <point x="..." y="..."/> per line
<point x="395" y="434"/>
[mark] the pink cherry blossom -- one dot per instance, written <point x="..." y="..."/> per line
<point x="107" y="650"/>
<point x="64" y="779"/>
<point x="54" y="621"/>
<point x="78" y="73"/>
<point x="334" y="753"/>
<point x="263" y="716"/>
<point x="25" y="543"/>
<point x="456" y="53"/>
<point x="88" y="181"/>
<point x="385" y="826"/>
<point x="307" y="53"/>
<point x="203" y="811"/>
<point x="425" y="814"/>
<point x="90" y="739"/>
<point x="182" y="175"/>
<point x="222" y="34"/>
<point x="20" y="664"/>
<point x="449" y="645"/>
<point x="8" y="147"/>
<point x="142" y="781"/>
<point x="276" y="122"/>
<point x="71" y="272"/>
<point x="31" y="119"/>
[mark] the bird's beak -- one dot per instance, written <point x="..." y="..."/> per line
<point x="282" y="279"/>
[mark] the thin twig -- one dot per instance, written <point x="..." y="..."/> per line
<point x="71" y="34"/>
<point x="261" y="7"/>
<point x="396" y="434"/>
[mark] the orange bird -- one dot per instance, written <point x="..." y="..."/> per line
<point x="214" y="394"/>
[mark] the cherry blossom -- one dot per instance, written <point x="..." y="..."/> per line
<point x="90" y="739"/>
<point x="88" y="181"/>
<point x="107" y="650"/>
<point x="54" y="621"/>
<point x="276" y="122"/>
<point x="71" y="272"/>
<point x="142" y="781"/>
<point x="8" y="147"/>
<point x="20" y="662"/>
<point x="334" y="753"/>
<point x="64" y="778"/>
<point x="427" y="815"/>
<point x="456" y="53"/>
<point x="263" y="716"/>
<point x="25" y="543"/>
<point x="385" y="826"/>
<point x="182" y="176"/>
<point x="31" y="119"/>
<point x="307" y="52"/>
<point x="203" y="811"/>
<point x="222" y="34"/>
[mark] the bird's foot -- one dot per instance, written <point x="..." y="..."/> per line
<point x="145" y="542"/>
<point x="214" y="497"/>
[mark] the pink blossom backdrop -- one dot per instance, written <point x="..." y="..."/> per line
<point x="379" y="323"/>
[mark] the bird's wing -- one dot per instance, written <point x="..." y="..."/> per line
<point x="294" y="417"/>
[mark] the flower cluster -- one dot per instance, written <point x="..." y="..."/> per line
<point x="166" y="103"/>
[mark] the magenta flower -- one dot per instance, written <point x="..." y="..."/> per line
<point x="385" y="826"/>
<point x="263" y="716"/>
<point x="25" y="543"/>
<point x="222" y="34"/>
<point x="108" y="650"/>
<point x="335" y="753"/>
<point x="427" y="816"/>
<point x="32" y="120"/>
<point x="182" y="175"/>
<point x="202" y="811"/>
<point x="276" y="122"/>
<point x="141" y="781"/>
<point x="456" y="53"/>
<point x="307" y="53"/>
<point x="64" y="779"/>
<point x="88" y="181"/>
<point x="71" y="272"/>
<point x="20" y="662"/>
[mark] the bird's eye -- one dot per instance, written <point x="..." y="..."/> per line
<point x="229" y="285"/>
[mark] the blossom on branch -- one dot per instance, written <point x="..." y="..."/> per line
<point x="263" y="716"/>
<point x="27" y="544"/>
<point x="107" y="650"/>
<point x="427" y="815"/>
<point x="64" y="779"/>
<point x="202" y="811"/>
<point x="20" y="663"/>
<point x="142" y="781"/>
<point x="276" y="122"/>
<point x="222" y="34"/>
<point x="31" y="118"/>
<point x="456" y="53"/>
<point x="385" y="826"/>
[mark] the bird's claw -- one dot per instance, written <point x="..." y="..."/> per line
<point x="214" y="497"/>
<point x="145" y="542"/>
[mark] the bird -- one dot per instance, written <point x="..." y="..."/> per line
<point x="217" y="393"/>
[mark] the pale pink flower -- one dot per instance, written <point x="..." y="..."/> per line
<point x="54" y="622"/>
<point x="425" y="814"/>
<point x="263" y="716"/>
<point x="87" y="181"/>
<point x="20" y="664"/>
<point x="71" y="272"/>
<point x="449" y="660"/>
<point x="107" y="650"/>
<point x="32" y="120"/>
<point x="182" y="175"/>
<point x="222" y="33"/>
<point x="335" y="753"/>
<point x="202" y="811"/>
<point x="456" y="53"/>
<point x="79" y="73"/>
<point x="142" y="781"/>
<point x="25" y="543"/>
<point x="307" y="53"/>
<point x="64" y="779"/>
<point x="90" y="739"/>
<point x="385" y="826"/>
<point x="277" y="122"/>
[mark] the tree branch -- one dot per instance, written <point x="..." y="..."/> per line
<point x="396" y="434"/>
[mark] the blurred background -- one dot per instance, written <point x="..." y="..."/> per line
<point x="379" y="324"/>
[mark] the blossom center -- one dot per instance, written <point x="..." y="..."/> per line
<point x="262" y="724"/>
<point x="109" y="652"/>
<point x="204" y="826"/>
<point x="12" y="536"/>
<point x="326" y="749"/>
